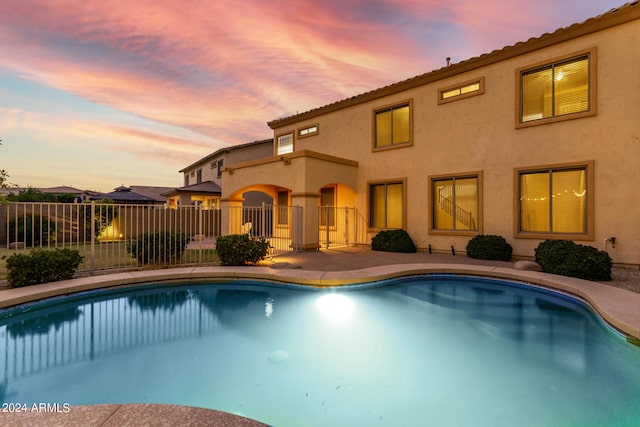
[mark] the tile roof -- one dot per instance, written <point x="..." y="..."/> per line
<point x="203" y="187"/>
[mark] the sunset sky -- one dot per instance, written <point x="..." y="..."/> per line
<point x="95" y="94"/>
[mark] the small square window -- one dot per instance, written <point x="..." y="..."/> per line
<point x="284" y="144"/>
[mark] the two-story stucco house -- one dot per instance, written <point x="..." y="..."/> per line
<point x="203" y="178"/>
<point x="532" y="141"/>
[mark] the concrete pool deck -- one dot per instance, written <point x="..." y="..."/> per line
<point x="334" y="267"/>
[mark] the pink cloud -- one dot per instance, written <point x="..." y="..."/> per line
<point x="193" y="66"/>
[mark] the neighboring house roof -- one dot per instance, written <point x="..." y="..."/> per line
<point x="125" y="195"/>
<point x="63" y="189"/>
<point x="207" y="187"/>
<point x="617" y="16"/>
<point x="156" y="193"/>
<point x="226" y="150"/>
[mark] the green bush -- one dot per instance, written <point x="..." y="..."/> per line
<point x="552" y="253"/>
<point x="41" y="266"/>
<point x="488" y="246"/>
<point x="33" y="230"/>
<point x="240" y="249"/>
<point x="567" y="258"/>
<point x="393" y="241"/>
<point x="162" y="247"/>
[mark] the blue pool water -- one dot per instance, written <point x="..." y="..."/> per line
<point x="441" y="351"/>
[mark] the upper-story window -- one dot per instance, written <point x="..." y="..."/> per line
<point x="392" y="126"/>
<point x="308" y="131"/>
<point x="220" y="165"/>
<point x="461" y="91"/>
<point x="284" y="144"/>
<point x="560" y="90"/>
<point x="199" y="176"/>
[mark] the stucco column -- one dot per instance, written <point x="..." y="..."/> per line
<point x="231" y="222"/>
<point x="310" y="221"/>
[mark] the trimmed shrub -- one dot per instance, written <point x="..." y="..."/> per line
<point x="393" y="241"/>
<point x="488" y="246"/>
<point x="162" y="247"/>
<point x="33" y="230"/>
<point x="42" y="266"/>
<point x="567" y="258"/>
<point x="240" y="249"/>
<point x="552" y="253"/>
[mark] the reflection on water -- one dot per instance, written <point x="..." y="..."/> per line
<point x="41" y="324"/>
<point x="374" y="355"/>
<point x="161" y="301"/>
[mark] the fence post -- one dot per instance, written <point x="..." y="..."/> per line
<point x="93" y="236"/>
<point x="200" y="231"/>
<point x="263" y="222"/>
<point x="326" y="226"/>
<point x="346" y="225"/>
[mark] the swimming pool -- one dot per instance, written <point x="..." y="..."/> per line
<point x="430" y="350"/>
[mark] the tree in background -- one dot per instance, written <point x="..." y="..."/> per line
<point x="4" y="181"/>
<point x="34" y="195"/>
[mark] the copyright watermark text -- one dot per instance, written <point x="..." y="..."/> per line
<point x="60" y="408"/>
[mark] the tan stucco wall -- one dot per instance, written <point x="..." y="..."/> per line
<point x="299" y="173"/>
<point x="238" y="155"/>
<point x="479" y="134"/>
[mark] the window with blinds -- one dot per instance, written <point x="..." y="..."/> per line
<point x="561" y="89"/>
<point x="392" y="126"/>
<point x="554" y="200"/>
<point x="386" y="205"/>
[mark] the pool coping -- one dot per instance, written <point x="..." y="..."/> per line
<point x="618" y="307"/>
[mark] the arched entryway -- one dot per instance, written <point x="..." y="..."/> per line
<point x="294" y="181"/>
<point x="264" y="211"/>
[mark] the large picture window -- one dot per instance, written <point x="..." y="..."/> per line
<point x="455" y="203"/>
<point x="559" y="90"/>
<point x="555" y="200"/>
<point x="392" y="126"/>
<point x="386" y="205"/>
